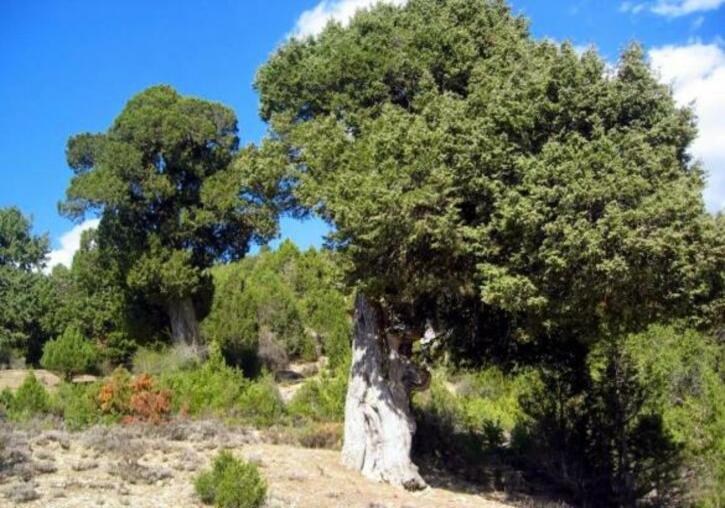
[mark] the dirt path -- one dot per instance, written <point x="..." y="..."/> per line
<point x="142" y="466"/>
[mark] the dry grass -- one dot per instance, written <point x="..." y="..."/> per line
<point x="147" y="466"/>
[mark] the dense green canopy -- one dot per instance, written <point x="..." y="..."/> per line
<point x="22" y="287"/>
<point x="466" y="165"/>
<point x="19" y="248"/>
<point x="174" y="192"/>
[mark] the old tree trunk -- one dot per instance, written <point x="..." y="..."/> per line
<point x="184" y="325"/>
<point x="379" y="426"/>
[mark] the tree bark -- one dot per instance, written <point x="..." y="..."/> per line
<point x="379" y="426"/>
<point x="184" y="325"/>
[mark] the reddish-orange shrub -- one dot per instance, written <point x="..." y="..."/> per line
<point x="148" y="404"/>
<point x="114" y="395"/>
<point x="134" y="399"/>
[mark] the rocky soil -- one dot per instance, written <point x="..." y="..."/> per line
<point x="145" y="466"/>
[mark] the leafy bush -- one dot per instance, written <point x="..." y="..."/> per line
<point x="491" y="397"/>
<point x="218" y="389"/>
<point x="322" y="399"/>
<point x="649" y="421"/>
<point x="682" y="372"/>
<point x="469" y="415"/>
<point x="212" y="388"/>
<point x="69" y="354"/>
<point x="147" y="403"/>
<point x="260" y="402"/>
<point x="119" y="348"/>
<point x="231" y="483"/>
<point x="30" y="400"/>
<point x="77" y="405"/>
<point x="115" y="393"/>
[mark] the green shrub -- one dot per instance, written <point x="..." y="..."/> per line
<point x="215" y="388"/>
<point x="260" y="402"/>
<point x="491" y="397"/>
<point x="279" y="305"/>
<point x="212" y="388"/>
<point x="69" y="354"/>
<point x="322" y="399"/>
<point x="6" y="401"/>
<point x="231" y="483"/>
<point x="30" y="400"/>
<point x="325" y="310"/>
<point x="467" y="416"/>
<point x="77" y="404"/>
<point x="681" y="370"/>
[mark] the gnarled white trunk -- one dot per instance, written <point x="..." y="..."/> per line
<point x="379" y="426"/>
<point x="184" y="325"/>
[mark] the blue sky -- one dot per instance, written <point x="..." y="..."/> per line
<point x="70" y="66"/>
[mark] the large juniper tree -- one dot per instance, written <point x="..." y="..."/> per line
<point x="484" y="182"/>
<point x="175" y="194"/>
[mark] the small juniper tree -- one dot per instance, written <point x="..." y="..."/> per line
<point x="70" y="354"/>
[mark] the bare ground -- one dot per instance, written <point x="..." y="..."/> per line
<point x="13" y="378"/>
<point x="142" y="466"/>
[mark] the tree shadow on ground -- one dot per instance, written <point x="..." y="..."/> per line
<point x="470" y="463"/>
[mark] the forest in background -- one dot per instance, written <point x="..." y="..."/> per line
<point x="540" y="213"/>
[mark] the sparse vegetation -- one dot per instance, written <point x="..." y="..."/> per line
<point x="163" y="360"/>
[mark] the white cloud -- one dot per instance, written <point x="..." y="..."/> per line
<point x="697" y="74"/>
<point x="70" y="242"/>
<point x="634" y="8"/>
<point x="313" y="21"/>
<point x="671" y="8"/>
<point x="682" y="7"/>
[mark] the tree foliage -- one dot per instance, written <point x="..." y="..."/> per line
<point x="533" y="203"/>
<point x="279" y="305"/>
<point x="23" y="289"/>
<point x="92" y="297"/>
<point x="174" y="192"/>
<point x="465" y="164"/>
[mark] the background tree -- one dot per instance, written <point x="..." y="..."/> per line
<point x="175" y="195"/>
<point x="278" y="306"/>
<point x="22" y="286"/>
<point x="508" y="190"/>
<point x="92" y="297"/>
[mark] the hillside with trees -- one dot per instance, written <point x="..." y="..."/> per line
<point x="521" y="288"/>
